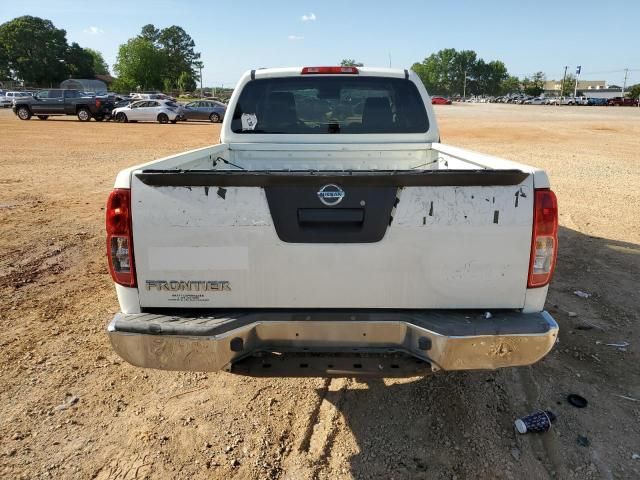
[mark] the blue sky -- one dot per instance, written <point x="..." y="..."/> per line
<point x="234" y="36"/>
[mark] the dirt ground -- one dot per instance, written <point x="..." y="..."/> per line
<point x="70" y="408"/>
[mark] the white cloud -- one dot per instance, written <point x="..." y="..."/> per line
<point x="295" y="38"/>
<point x="93" y="31"/>
<point x="308" y="18"/>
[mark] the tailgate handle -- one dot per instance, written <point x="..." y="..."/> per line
<point x="330" y="216"/>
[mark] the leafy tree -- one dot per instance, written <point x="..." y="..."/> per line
<point x="350" y="62"/>
<point x="186" y="82"/>
<point x="566" y="89"/>
<point x="534" y="85"/>
<point x="445" y="71"/>
<point x="634" y="91"/>
<point x="151" y="33"/>
<point x="168" y="85"/>
<point x="436" y="71"/>
<point x="123" y="85"/>
<point x="496" y="74"/>
<point x="100" y="67"/>
<point x="465" y="64"/>
<point x="140" y="63"/>
<point x="177" y="47"/>
<point x="510" y="84"/>
<point x="5" y="73"/>
<point x="35" y="50"/>
<point x="79" y="62"/>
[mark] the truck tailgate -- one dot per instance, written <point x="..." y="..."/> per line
<point x="218" y="243"/>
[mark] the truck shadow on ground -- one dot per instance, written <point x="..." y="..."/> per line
<point x="438" y="426"/>
<point x="461" y="423"/>
<point x="605" y="267"/>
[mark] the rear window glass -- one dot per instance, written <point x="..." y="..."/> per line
<point x="320" y="104"/>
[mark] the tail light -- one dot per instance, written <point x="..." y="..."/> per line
<point x="329" y="70"/>
<point x="544" y="242"/>
<point x="120" y="238"/>
<point x="97" y="103"/>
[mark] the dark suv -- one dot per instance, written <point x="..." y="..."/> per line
<point x="63" y="102"/>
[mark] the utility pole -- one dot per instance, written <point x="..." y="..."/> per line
<point x="389" y="59"/>
<point x="464" y="86"/>
<point x="200" y="65"/>
<point x="575" y="89"/>
<point x="624" y="85"/>
<point x="562" y="86"/>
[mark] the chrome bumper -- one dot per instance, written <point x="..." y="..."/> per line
<point x="445" y="340"/>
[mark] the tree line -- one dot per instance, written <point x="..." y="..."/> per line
<point x="33" y="50"/>
<point x="456" y="73"/>
<point x="158" y="59"/>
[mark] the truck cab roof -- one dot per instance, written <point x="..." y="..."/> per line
<point x="297" y="71"/>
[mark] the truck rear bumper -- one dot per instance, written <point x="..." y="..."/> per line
<point x="314" y="342"/>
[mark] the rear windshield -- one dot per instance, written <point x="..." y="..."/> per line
<point x="317" y="104"/>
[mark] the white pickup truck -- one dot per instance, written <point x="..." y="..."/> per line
<point x="330" y="233"/>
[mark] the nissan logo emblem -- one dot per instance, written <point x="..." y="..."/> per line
<point x="331" y="195"/>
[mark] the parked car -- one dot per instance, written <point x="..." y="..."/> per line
<point x="536" y="101"/>
<point x="161" y="111"/>
<point x="597" y="101"/>
<point x="62" y="102"/>
<point x="440" y="101"/>
<point x="123" y="103"/>
<point x="4" y="101"/>
<point x="204" y="110"/>
<point x="285" y="250"/>
<point x="152" y="96"/>
<point x="622" y="102"/>
<point x="11" y="96"/>
<point x="564" y="101"/>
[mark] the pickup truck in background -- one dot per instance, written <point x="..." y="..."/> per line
<point x="623" y="102"/>
<point x="331" y="233"/>
<point x="62" y="102"/>
<point x="581" y="100"/>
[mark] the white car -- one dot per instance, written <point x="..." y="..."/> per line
<point x="161" y="111"/>
<point x="6" y="100"/>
